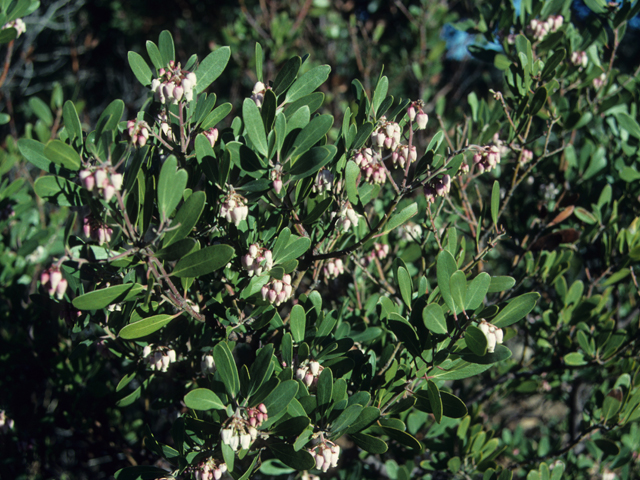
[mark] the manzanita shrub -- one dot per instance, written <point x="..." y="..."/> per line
<point x="310" y="297"/>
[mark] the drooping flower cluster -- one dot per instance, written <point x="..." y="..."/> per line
<point x="53" y="282"/>
<point x="598" y="82"/>
<point x="210" y="469"/>
<point x="6" y="423"/>
<point x="174" y="84"/>
<point x="324" y="182"/>
<point x="258" y="93"/>
<point x="212" y="135"/>
<point x="96" y="230"/>
<point x="309" y="372"/>
<point x="493" y="334"/>
<point x="234" y="208"/>
<point x="487" y="158"/>
<point x="386" y="135"/>
<point x="101" y="182"/>
<point x="526" y="157"/>
<point x="165" y="128"/>
<point x="416" y="114"/>
<point x="242" y="429"/>
<point x="333" y="267"/>
<point x="347" y="217"/>
<point x="579" y="59"/>
<point x="370" y="163"/>
<point x="258" y="260"/>
<point x="326" y="455"/>
<point x="18" y="24"/>
<point x="277" y="291"/>
<point x="161" y="358"/>
<point x="410" y="232"/>
<point x="437" y="187"/>
<point x="380" y="251"/>
<point x="138" y="132"/>
<point x="207" y="364"/>
<point x="540" y="29"/>
<point x="403" y="155"/>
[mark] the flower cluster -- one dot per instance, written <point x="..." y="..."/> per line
<point x="165" y="128"/>
<point x="277" y="291"/>
<point x="347" y="217"/>
<point x="212" y="135"/>
<point x="242" y="430"/>
<point x="387" y="135"/>
<point x="258" y="93"/>
<point x="416" y="114"/>
<point x="325" y="455"/>
<point x="494" y="335"/>
<point x="579" y="59"/>
<point x="138" y="132"/>
<point x="309" y="372"/>
<point x="276" y="178"/>
<point x="540" y="29"/>
<point x="403" y="155"/>
<point x="487" y="158"/>
<point x="333" y="267"/>
<point x="209" y="470"/>
<point x="526" y="157"/>
<point x="258" y="260"/>
<point x="380" y="251"/>
<point x="437" y="187"/>
<point x="324" y="182"/>
<point x="409" y="232"/>
<point x="598" y="82"/>
<point x="53" y="282"/>
<point x="234" y="208"/>
<point x="161" y="358"/>
<point x="370" y="163"/>
<point x="101" y="182"/>
<point x="6" y="423"/>
<point x="173" y="84"/>
<point x="18" y="24"/>
<point x="207" y="364"/>
<point x="96" y="230"/>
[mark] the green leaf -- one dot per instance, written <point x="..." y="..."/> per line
<point x="279" y="399"/>
<point x="364" y="420"/>
<point x="296" y="247"/>
<point x="402" y="437"/>
<point x="538" y="100"/>
<point x="211" y="67"/>
<point x="110" y="117"/>
<point x="261" y="368"/>
<point x="58" y="190"/>
<point x="351" y="178"/>
<point x="495" y="202"/>
<point x="445" y="267"/>
<point x="452" y="406"/>
<point x="154" y="55"/>
<point x="404" y="283"/>
<point x="405" y="333"/>
<point x="516" y="309"/>
<point x="345" y="419"/>
<point x="140" y="68"/>
<point x="369" y="443"/>
<point x="400" y="217"/>
<point x="312" y="161"/>
<point x="310" y="135"/>
<point x="8" y="34"/>
<point x="298" y="460"/>
<point x="433" y="319"/>
<point x="458" y="287"/>
<point x="186" y="218"/>
<point x="476" y="340"/>
<point x="62" y="154"/>
<point x="477" y="290"/>
<point x="71" y="121"/>
<point x="325" y="389"/>
<point x="226" y="367"/>
<point x="501" y="283"/>
<point x="307" y="83"/>
<point x="575" y="359"/>
<point x="141" y="472"/>
<point x="258" y="57"/>
<point x="167" y="50"/>
<point x="628" y="123"/>
<point x="458" y="370"/>
<point x="298" y="320"/>
<point x="145" y="327"/>
<point x="552" y="62"/>
<point x="220" y="112"/>
<point x="176" y="250"/>
<point x="255" y="127"/>
<point x="203" y="261"/>
<point x="608" y="447"/>
<point x="501" y="353"/>
<point x="42" y="110"/>
<point x="104" y="297"/>
<point x="435" y="400"/>
<point x="171" y="185"/>
<point x="379" y="94"/>
<point x="33" y="151"/>
<point x="287" y="75"/>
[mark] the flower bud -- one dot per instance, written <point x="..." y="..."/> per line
<point x="263" y="408"/>
<point x="314" y="367"/>
<point x="422" y="119"/>
<point x="308" y="379"/>
<point x="277" y="185"/>
<point x="177" y="94"/>
<point x="245" y="441"/>
<point x="109" y="192"/>
<point x="319" y="461"/>
<point x="411" y="112"/>
<point x="61" y="288"/>
<point x="116" y="180"/>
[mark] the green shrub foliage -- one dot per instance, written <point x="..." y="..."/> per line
<point x="411" y="289"/>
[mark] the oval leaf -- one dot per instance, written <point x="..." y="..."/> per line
<point x="203" y="399"/>
<point x="145" y="327"/>
<point x="203" y="261"/>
